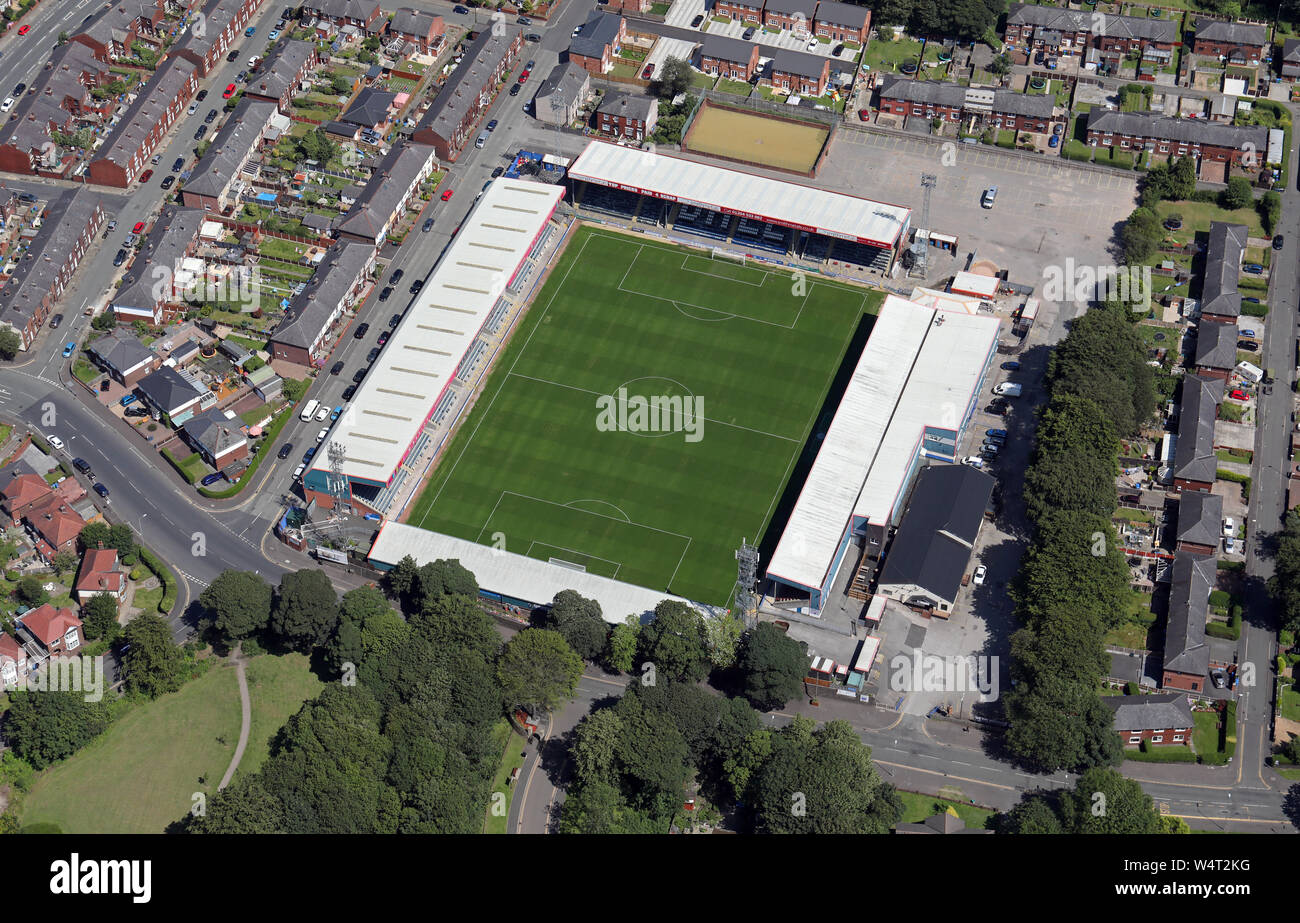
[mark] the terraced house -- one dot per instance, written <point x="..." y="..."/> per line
<point x="998" y="107"/>
<point x="789" y="15"/>
<point x="314" y="317"/>
<point x="152" y="289"/>
<point x="217" y="177"/>
<point x="799" y="72"/>
<point x="363" y="15"/>
<point x="418" y="28"/>
<point x="45" y="267"/>
<point x="750" y="11"/>
<point x="384" y="200"/>
<point x="124" y="156"/>
<point x="842" y="22"/>
<point x="1239" y="145"/>
<point x="467" y="93"/>
<point x="602" y="37"/>
<point x="221" y="24"/>
<point x="1055" y="30"/>
<point x="1236" y="42"/>
<point x="111" y="33"/>
<point x="729" y="57"/>
<point x="282" y="73"/>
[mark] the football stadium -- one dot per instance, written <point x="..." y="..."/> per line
<point x="609" y="384"/>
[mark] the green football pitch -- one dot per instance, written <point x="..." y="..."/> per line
<point x="535" y="470"/>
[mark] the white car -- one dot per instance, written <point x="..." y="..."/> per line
<point x="1230" y="545"/>
<point x="297" y="472"/>
<point x="980" y="573"/>
<point x="1229" y="526"/>
<point x="973" y="460"/>
<point x="322" y="434"/>
<point x="56" y="442"/>
<point x="194" y="107"/>
<point x="7" y="104"/>
<point x="812" y="45"/>
<point x="322" y="414"/>
<point x="577" y="30"/>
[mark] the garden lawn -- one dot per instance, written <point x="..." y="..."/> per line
<point x="917" y="807"/>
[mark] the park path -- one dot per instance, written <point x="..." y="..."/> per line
<point x="245" y="721"/>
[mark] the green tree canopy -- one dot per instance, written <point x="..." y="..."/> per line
<point x="152" y="661"/>
<point x="306" y="610"/>
<point x="675" y="643"/>
<point x="674" y="77"/>
<point x="45" y="727"/>
<point x="99" y="618"/>
<point x="1103" y="801"/>
<point x="239" y="603"/>
<point x="773" y="665"/>
<point x="579" y="622"/>
<point x="538" y="668"/>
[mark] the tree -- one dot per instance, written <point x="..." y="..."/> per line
<point x="599" y="808"/>
<point x="1075" y="459"/>
<point x="65" y="562"/>
<point x="1238" y="194"/>
<point x="674" y="77"/>
<point x="722" y="635"/>
<point x="340" y="84"/>
<point x="674" y="642"/>
<point x="458" y="622"/>
<point x="1033" y="815"/>
<point x="595" y="747"/>
<point x="1000" y="66"/>
<point x="774" y="665"/>
<point x="316" y="145"/>
<point x="152" y="661"/>
<point x="99" y="618"/>
<point x="654" y="758"/>
<point x="399" y="582"/>
<point x="1141" y="235"/>
<point x="306" y="609"/>
<point x="538" y="668"/>
<point x="1105" y="360"/>
<point x="1074" y="568"/>
<point x="239" y="603"/>
<point x="10" y="342"/>
<point x="243" y="807"/>
<point x="1285" y="582"/>
<point x="45" y="727"/>
<point x="443" y="578"/>
<point x="31" y="592"/>
<point x="102" y="535"/>
<point x="1270" y="211"/>
<point x="623" y="640"/>
<point x="1103" y="801"/>
<point x="580" y="623"/>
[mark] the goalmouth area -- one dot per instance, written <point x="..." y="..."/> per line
<point x="648" y="413"/>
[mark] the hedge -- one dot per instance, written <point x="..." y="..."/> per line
<point x="1220" y="599"/>
<point x="1159" y="753"/>
<point x="164" y="575"/>
<point x="272" y="432"/>
<point x="1230" y="565"/>
<point x="189" y="477"/>
<point x="1251" y="309"/>
<point x="1227" y="632"/>
<point x="1242" y="479"/>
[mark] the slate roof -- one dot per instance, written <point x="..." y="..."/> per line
<point x="280" y="70"/>
<point x="1223" y="253"/>
<point x="566" y="80"/>
<point x="801" y="63"/>
<point x="68" y="212"/>
<point x="789" y="7"/>
<point x="146" y="112"/>
<point x="725" y="48"/>
<point x="122" y="351"/>
<point x="598" y="32"/>
<point x="156" y="263"/>
<point x="941" y="823"/>
<point x="627" y="105"/>
<point x="1150" y="712"/>
<point x="218" y="15"/>
<point x="230" y="148"/>
<point x="1187" y="131"/>
<point x="345" y="9"/>
<point x="1191" y="579"/>
<point x="1200" y="518"/>
<point x="1216" y="345"/>
<point x="1035" y="105"/>
<point x="370" y="108"/>
<point x="413" y="22"/>
<point x="1044" y="17"/>
<point x="483" y="58"/>
<point x="1240" y="33"/>
<point x="842" y="14"/>
<point x="378" y="201"/>
<point x="1291" y="51"/>
<point x="1194" y="457"/>
<point x="167" y="388"/>
<point x="933" y="543"/>
<point x="309" y="313"/>
<point x="214" y="432"/>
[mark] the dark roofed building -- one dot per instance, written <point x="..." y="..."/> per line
<point x="602" y="35"/>
<point x="730" y="57"/>
<point x="172" y="393"/>
<point x="223" y="22"/>
<point x="124" y="357"/>
<point x="626" y="116"/>
<point x="469" y="91"/>
<point x="799" y="72"/>
<point x="1291" y="58"/>
<point x="561" y="95"/>
<point x="1195" y="464"/>
<point x="371" y="109"/>
<point x="155" y="281"/>
<point x="161" y="101"/>
<point x="1216" y="349"/>
<point x="953" y="102"/>
<point x="1220" y="299"/>
<point x="934" y="541"/>
<point x="420" y="28"/>
<point x="1187" y="656"/>
<point x="362" y="14"/>
<point x="1200" y="521"/>
<point x="383" y="201"/>
<point x="791" y="15"/>
<point x="1159" y="719"/>
<point x="1239" y="42"/>
<point x="1164" y="135"/>
<point x="281" y="73"/>
<point x="843" y="22"/>
<point x="219" y="440"/>
<point x="304" y="335"/>
<point x="941" y="823"/>
<point x="212" y="183"/>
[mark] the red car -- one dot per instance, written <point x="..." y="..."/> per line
<point x="649" y="69"/>
<point x="139" y="226"/>
<point x="1238" y="394"/>
<point x="23" y="30"/>
<point x="864" y="115"/>
<point x="446" y="195"/>
<point x="523" y="78"/>
<point x="230" y="91"/>
<point x="146" y="176"/>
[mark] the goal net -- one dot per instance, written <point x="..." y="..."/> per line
<point x="729" y="256"/>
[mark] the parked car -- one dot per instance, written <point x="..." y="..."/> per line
<point x="1054" y="141"/>
<point x="361" y="331"/>
<point x="336" y="412"/>
<point x="210" y="479"/>
<point x="320" y="437"/>
<point x="998" y="410"/>
<point x="383" y="295"/>
<point x="427" y="226"/>
<point x="210" y="117"/>
<point x="130" y="240"/>
<point x="200" y="132"/>
<point x="383" y="337"/>
<point x="202" y="95"/>
<point x="234" y="54"/>
<point x="1238" y="395"/>
<point x="990" y="450"/>
<point x="577" y="30"/>
<point x="55" y="442"/>
<point x="498" y="171"/>
<point x="1253" y="268"/>
<point x="532" y="37"/>
<point x="397" y="275"/>
<point x="749" y="33"/>
<point x="492" y="125"/>
<point x="18" y="90"/>
<point x="69" y="348"/>
<point x="55" y="321"/>
<point x="360" y="374"/>
<point x="194" y="107"/>
<point x="1248" y="346"/>
<point x="309" y="454"/>
<point x="373" y="354"/>
<point x="336" y="368"/>
<point x="1252" y="299"/>
<point x="416" y="286"/>
<point x="695" y="23"/>
<point x="23" y="30"/>
<point x="179" y="162"/>
<point x="463" y="10"/>
<point x="1011" y="366"/>
<point x="812" y="45"/>
<point x="980" y="573"/>
<point x="84" y="467"/>
<point x="1229" y="526"/>
<point x="394" y="320"/>
<point x="275" y="33"/>
<point x="1247" y="332"/>
<point x="229" y="91"/>
<point x="119" y="258"/>
<point x="349" y="391"/>
<point x="648" y="72"/>
<point x="524" y="21"/>
<point x="136" y="412"/>
<point x="973" y="460"/>
<point x="514" y="89"/>
<point x="139" y="226"/>
<point x="102" y="491"/>
<point x="128" y="400"/>
<point x="1278" y="241"/>
<point x="989" y="197"/>
<point x="285" y="450"/>
<point x="297" y="472"/>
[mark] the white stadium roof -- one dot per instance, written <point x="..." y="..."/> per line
<point x="912" y="373"/>
<point x="513" y="575"/>
<point x="420" y="360"/>
<point x="834" y="214"/>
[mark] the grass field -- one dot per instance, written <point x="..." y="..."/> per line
<point x="277" y="687"/>
<point x="918" y="807"/>
<point x="754" y="137"/>
<point x="532" y="465"/>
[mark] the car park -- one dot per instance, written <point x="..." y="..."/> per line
<point x="69" y="349"/>
<point x="101" y="490"/>
<point x="336" y="368"/>
<point x="285" y="450"/>
<point x="427" y="226"/>
<point x="388" y="290"/>
<point x="980" y="573"/>
<point x="55" y="321"/>
<point x="168" y="182"/>
<point x="361" y="331"/>
<point x="210" y="479"/>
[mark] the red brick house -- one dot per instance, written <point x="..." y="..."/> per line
<point x="636" y="6"/>
<point x="57" y="631"/>
<point x="424" y="30"/>
<point x="1186" y="661"/>
<point x="100" y="574"/>
<point x="745" y="10"/>
<point x="1156" y="719"/>
<point x="1216" y="349"/>
<point x="789" y="15"/>
<point x="126" y="152"/>
<point x="223" y="25"/>
<point x="55" y="526"/>
<point x="1195" y="465"/>
<point x="363" y="14"/>
<point x="842" y="22"/>
<point x="1237" y="42"/>
<point x="729" y="57"/>
<point x="625" y="116"/>
<point x="21" y="494"/>
<point x="1163" y="136"/>
<point x="111" y="33"/>
<point x="1200" y="522"/>
<point x="602" y="37"/>
<point x="459" y="106"/>
<point x="800" y="73"/>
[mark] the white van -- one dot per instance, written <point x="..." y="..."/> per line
<point x="1008" y="389"/>
<point x="309" y="411"/>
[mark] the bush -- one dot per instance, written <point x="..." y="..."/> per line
<point x="1220" y="599"/>
<point x="1205" y="195"/>
<point x="1250" y="309"/>
<point x="1219" y="630"/>
<point x="1130" y="688"/>
<point x="251" y="647"/>
<point x="175" y="463"/>
<point x="165" y="577"/>
<point x="1161" y="753"/>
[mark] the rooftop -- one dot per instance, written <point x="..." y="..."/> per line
<point x="463" y="89"/>
<point x="1191" y="579"/>
<point x="163" y="89"/>
<point x="1150" y="712"/>
<point x="230" y="148"/>
<point x="310" y="312"/>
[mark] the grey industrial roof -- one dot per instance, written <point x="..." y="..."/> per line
<point x="725" y="48"/>
<point x="934" y="540"/>
<point x="146" y="112"/>
<point x="379" y="200"/>
<point x="123" y="351"/>
<point x="214" y="432"/>
<point x="1223" y="253"/>
<point x="1150" y="712"/>
<point x="370" y="108"/>
<point x="67" y="214"/>
<point x="1216" y="345"/>
<point x="461" y="92"/>
<point x="280" y="70"/>
<point x="1194" y="457"/>
<point x="1200" y="517"/>
<point x="600" y="30"/>
<point x="1188" y="131"/>
<point x="1217" y="30"/>
<point x="565" y="80"/>
<point x="159" y="258"/>
<point x="627" y="105"/>
<point x="798" y="62"/>
<point x="310" y="311"/>
<point x="168" y="389"/>
<point x="1190" y="581"/>
<point x="842" y="14"/>
<point x="230" y="148"/>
